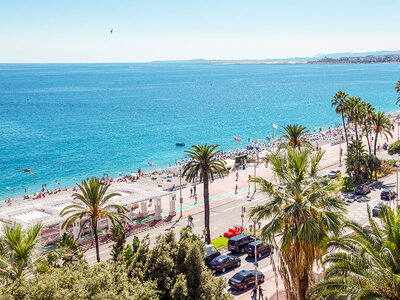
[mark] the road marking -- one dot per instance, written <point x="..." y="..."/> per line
<point x="266" y="269"/>
<point x="228" y="209"/>
<point x="101" y="252"/>
<point x="214" y="214"/>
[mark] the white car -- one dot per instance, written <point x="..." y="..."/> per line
<point x="333" y="174"/>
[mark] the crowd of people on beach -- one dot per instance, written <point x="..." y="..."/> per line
<point x="269" y="144"/>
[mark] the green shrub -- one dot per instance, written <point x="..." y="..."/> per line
<point x="394" y="148"/>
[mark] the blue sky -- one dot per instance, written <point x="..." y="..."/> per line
<point x="146" y="30"/>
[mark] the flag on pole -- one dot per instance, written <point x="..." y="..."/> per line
<point x="250" y="140"/>
<point x="274" y="125"/>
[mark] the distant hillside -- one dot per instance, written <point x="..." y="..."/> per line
<point x="345" y="57"/>
<point x="368" y="59"/>
<point x="353" y="54"/>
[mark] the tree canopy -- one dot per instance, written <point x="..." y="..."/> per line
<point x="394" y="148"/>
<point x="172" y="269"/>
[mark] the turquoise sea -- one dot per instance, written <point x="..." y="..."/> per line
<point x="69" y="121"/>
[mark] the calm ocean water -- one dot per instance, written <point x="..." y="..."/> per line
<point x="69" y="121"/>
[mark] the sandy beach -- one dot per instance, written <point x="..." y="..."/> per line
<point x="168" y="178"/>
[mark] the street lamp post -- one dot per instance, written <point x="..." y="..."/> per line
<point x="255" y="170"/>
<point x="242" y="215"/>
<point x="255" y="257"/>
<point x="397" y="187"/>
<point x="180" y="190"/>
<point x="248" y="187"/>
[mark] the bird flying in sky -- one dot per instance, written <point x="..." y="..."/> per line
<point x="111" y="31"/>
<point x="27" y="171"/>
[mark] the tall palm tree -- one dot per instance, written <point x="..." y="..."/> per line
<point x="381" y="125"/>
<point x="68" y="249"/>
<point x="93" y="207"/>
<point x="339" y="102"/>
<point x="353" y="112"/>
<point x="398" y="90"/>
<point x="296" y="136"/>
<point x="367" y="114"/>
<point x="205" y="164"/>
<point x="305" y="212"/>
<point x="365" y="264"/>
<point x="21" y="252"/>
<point x="356" y="159"/>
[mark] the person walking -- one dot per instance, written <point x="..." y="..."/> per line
<point x="195" y="199"/>
<point x="254" y="294"/>
<point x="260" y="293"/>
<point x="194" y="190"/>
<point x="236" y="189"/>
<point x="237" y="175"/>
<point x="191" y="192"/>
<point x="190" y="221"/>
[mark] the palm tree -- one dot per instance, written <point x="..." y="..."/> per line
<point x="93" y="207"/>
<point x="296" y="136"/>
<point x="365" y="264"/>
<point x="205" y="164"/>
<point x="353" y="112"/>
<point x="67" y="249"/>
<point x="381" y="125"/>
<point x="367" y="114"/>
<point x="398" y="90"/>
<point x="118" y="236"/>
<point x="356" y="159"/>
<point x="21" y="251"/>
<point x="305" y="212"/>
<point x="339" y="102"/>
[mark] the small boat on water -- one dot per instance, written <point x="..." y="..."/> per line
<point x="180" y="144"/>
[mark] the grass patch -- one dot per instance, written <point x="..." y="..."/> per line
<point x="220" y="242"/>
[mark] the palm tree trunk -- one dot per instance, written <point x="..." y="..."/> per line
<point x="345" y="133"/>
<point x="355" y="126"/>
<point x="206" y="207"/>
<point x="367" y="135"/>
<point x="375" y="142"/>
<point x="96" y="240"/>
<point x="303" y="286"/>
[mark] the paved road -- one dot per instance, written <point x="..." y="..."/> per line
<point x="228" y="215"/>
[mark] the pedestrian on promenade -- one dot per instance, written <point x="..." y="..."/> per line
<point x="191" y="192"/>
<point x="237" y="175"/>
<point x="260" y="293"/>
<point x="236" y="189"/>
<point x="190" y="221"/>
<point x="195" y="199"/>
<point x="254" y="294"/>
<point x="194" y="190"/>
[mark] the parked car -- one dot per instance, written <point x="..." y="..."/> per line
<point x="262" y="249"/>
<point x="224" y="262"/>
<point x="362" y="190"/>
<point x="387" y="194"/>
<point x="243" y="279"/>
<point x="333" y="174"/>
<point x="238" y="243"/>
<point x="282" y="186"/>
<point x="211" y="253"/>
<point x="377" y="208"/>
